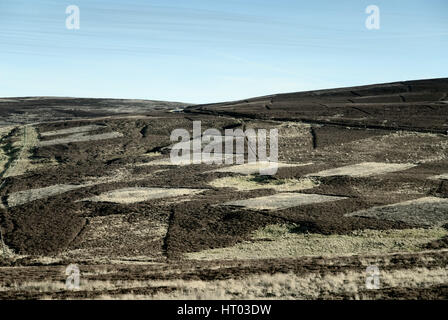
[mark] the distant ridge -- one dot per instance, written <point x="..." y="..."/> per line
<point x="417" y="105"/>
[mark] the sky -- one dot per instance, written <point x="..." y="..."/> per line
<point x="201" y="51"/>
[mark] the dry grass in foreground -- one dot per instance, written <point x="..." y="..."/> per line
<point x="277" y="286"/>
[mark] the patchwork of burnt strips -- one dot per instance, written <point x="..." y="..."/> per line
<point x="362" y="180"/>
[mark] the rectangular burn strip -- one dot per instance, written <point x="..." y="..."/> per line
<point x="282" y="201"/>
<point x="364" y="169"/>
<point x="140" y="194"/>
<point x="427" y="211"/>
<point x="71" y="130"/>
<point x="80" y="137"/>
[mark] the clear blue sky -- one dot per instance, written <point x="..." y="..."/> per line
<point x="214" y="50"/>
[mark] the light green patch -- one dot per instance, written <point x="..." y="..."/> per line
<point x="286" y="241"/>
<point x="254" y="182"/>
